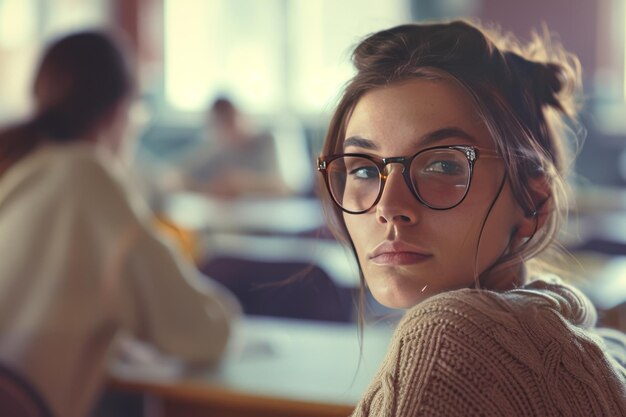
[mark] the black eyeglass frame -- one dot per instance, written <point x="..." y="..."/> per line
<point x="472" y="153"/>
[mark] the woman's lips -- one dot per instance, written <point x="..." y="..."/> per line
<point x="399" y="258"/>
<point x="398" y="253"/>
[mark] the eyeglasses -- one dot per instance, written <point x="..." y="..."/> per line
<point x="439" y="177"/>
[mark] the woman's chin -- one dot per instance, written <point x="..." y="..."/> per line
<point x="399" y="290"/>
<point x="400" y="301"/>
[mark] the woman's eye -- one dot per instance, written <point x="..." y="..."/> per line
<point x="364" y="173"/>
<point x="444" y="167"/>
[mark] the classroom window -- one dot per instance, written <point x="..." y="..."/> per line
<point x="270" y="56"/>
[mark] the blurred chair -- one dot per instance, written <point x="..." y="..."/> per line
<point x="18" y="398"/>
<point x="293" y="289"/>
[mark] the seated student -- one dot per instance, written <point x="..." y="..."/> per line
<point x="233" y="160"/>
<point x="81" y="265"/>
<point x="444" y="166"/>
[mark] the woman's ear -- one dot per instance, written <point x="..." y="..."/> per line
<point x="535" y="218"/>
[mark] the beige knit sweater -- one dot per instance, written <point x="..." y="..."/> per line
<point x="526" y="352"/>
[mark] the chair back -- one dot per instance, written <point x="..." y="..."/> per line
<point x="292" y="289"/>
<point x="18" y="398"/>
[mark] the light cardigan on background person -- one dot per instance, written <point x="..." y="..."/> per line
<point x="82" y="266"/>
<point x="525" y="352"/>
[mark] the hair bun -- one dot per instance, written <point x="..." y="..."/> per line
<point x="551" y="78"/>
<point x="546" y="79"/>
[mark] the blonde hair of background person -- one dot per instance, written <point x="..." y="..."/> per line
<point x="82" y="265"/>
<point x="464" y="130"/>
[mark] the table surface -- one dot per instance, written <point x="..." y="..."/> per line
<point x="199" y="212"/>
<point x="277" y="362"/>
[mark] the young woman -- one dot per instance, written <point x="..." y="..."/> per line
<point x="444" y="169"/>
<point x="81" y="264"/>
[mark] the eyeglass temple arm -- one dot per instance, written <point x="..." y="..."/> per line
<point x="487" y="153"/>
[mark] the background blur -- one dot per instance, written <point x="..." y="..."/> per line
<point x="283" y="63"/>
<point x="291" y="57"/>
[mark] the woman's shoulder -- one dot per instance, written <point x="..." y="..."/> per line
<point x="74" y="173"/>
<point x="67" y="163"/>
<point x="545" y="315"/>
<point x="77" y="162"/>
<point x="546" y="297"/>
<point x="458" y="314"/>
<point x="530" y="340"/>
<point x="542" y="330"/>
<point x="516" y="320"/>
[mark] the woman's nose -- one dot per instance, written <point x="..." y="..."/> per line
<point x="397" y="203"/>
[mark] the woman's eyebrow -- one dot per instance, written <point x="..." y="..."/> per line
<point x="445" y="133"/>
<point x="428" y="139"/>
<point x="360" y="142"/>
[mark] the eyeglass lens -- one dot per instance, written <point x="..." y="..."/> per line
<point x="439" y="176"/>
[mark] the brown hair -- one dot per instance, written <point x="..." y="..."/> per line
<point x="80" y="78"/>
<point x="525" y="96"/>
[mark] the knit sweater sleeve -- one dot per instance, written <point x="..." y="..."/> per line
<point x="467" y="353"/>
<point x="432" y="368"/>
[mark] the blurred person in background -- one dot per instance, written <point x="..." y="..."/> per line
<point x="82" y="267"/>
<point x="444" y="169"/>
<point x="233" y="158"/>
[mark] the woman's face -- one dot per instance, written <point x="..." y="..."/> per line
<point x="406" y="250"/>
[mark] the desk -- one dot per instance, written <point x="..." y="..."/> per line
<point x="275" y="367"/>
<point x="198" y="212"/>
